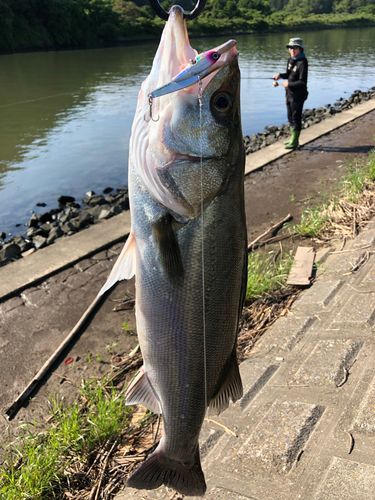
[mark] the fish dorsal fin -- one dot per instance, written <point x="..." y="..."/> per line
<point x="231" y="388"/>
<point x="124" y="267"/>
<point x="141" y="392"/>
<point x="168" y="249"/>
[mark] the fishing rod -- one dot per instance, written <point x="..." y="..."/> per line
<point x="275" y="84"/>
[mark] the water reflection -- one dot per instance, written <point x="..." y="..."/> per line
<point x="65" y="117"/>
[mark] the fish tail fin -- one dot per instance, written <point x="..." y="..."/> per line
<point x="159" y="469"/>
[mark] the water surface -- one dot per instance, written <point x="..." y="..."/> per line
<point x="65" y="117"/>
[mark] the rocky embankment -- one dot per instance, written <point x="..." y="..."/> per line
<point x="309" y="117"/>
<point x="70" y="216"/>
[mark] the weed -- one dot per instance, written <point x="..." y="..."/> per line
<point x="293" y="198"/>
<point x="126" y="327"/>
<point x="36" y="463"/>
<point x="264" y="275"/>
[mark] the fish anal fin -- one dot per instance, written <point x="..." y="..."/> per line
<point x="141" y="392"/>
<point x="124" y="267"/>
<point x="159" y="469"/>
<point x="168" y="248"/>
<point x="230" y="388"/>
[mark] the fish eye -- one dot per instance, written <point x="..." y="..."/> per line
<point x="215" y="55"/>
<point x="222" y="102"/>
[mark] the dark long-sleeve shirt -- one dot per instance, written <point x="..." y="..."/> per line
<point x="296" y="73"/>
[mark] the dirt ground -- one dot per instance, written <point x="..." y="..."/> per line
<point x="33" y="324"/>
<point x="305" y="175"/>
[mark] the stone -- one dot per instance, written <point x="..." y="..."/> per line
<point x="97" y="199"/>
<point x="63" y="200"/>
<point x="55" y="233"/>
<point x="10" y="251"/>
<point x="105" y="213"/>
<point x="33" y="222"/>
<point x="3" y="236"/>
<point x="46" y="217"/>
<point x="107" y="190"/>
<point x="68" y="227"/>
<point x="39" y="241"/>
<point x="84" y="219"/>
<point x="41" y="204"/>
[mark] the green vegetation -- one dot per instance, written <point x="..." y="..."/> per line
<point x="36" y="462"/>
<point x="43" y="24"/>
<point x="266" y="273"/>
<point x="354" y="185"/>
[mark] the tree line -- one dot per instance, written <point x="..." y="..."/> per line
<point x="43" y="24"/>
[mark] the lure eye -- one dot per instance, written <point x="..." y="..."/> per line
<point x="215" y="55"/>
<point x="222" y="102"/>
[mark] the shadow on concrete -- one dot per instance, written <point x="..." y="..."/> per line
<point x="332" y="149"/>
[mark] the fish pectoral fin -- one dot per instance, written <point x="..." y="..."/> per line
<point x="168" y="248"/>
<point x="141" y="392"/>
<point x="231" y="387"/>
<point x="124" y="267"/>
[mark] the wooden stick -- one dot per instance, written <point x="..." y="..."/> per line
<point x="270" y="230"/>
<point x="13" y="409"/>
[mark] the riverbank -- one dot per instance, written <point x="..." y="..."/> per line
<point x="36" y="320"/>
<point x="71" y="216"/>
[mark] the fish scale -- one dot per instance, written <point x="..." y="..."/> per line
<point x="189" y="354"/>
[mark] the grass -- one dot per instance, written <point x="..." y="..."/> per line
<point x="315" y="220"/>
<point x="36" y="463"/>
<point x="265" y="273"/>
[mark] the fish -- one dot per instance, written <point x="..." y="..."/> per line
<point x="188" y="251"/>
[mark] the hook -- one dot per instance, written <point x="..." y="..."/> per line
<point x="150" y="102"/>
<point x="159" y="11"/>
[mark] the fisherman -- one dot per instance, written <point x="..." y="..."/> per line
<point x="296" y="88"/>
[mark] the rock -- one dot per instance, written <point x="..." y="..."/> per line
<point x="41" y="204"/>
<point x="272" y="128"/>
<point x="39" y="242"/>
<point x="43" y="218"/>
<point x="84" y="219"/>
<point x="63" y="200"/>
<point x="123" y="202"/>
<point x="95" y="200"/>
<point x="107" y="190"/>
<point x="46" y="227"/>
<point x="73" y="205"/>
<point x="95" y="211"/>
<point x="3" y="235"/>
<point x="24" y="245"/>
<point x="10" y="251"/>
<point x="90" y="193"/>
<point x="68" y="228"/>
<point x="31" y="232"/>
<point x="33" y="222"/>
<point x="116" y="210"/>
<point x="337" y="104"/>
<point x="105" y="213"/>
<point x="55" y="233"/>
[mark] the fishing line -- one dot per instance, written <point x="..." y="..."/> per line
<point x="200" y="95"/>
<point x="39" y="99"/>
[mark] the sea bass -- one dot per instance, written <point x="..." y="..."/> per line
<point x="188" y="250"/>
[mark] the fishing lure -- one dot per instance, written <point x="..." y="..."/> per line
<point x="193" y="72"/>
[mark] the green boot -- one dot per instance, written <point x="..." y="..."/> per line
<point x="288" y="141"/>
<point x="293" y="143"/>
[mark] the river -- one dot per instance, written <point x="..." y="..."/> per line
<point x="66" y="116"/>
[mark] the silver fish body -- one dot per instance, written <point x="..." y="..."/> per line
<point x="191" y="268"/>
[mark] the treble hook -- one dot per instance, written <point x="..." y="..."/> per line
<point x="150" y="102"/>
<point x="159" y="11"/>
